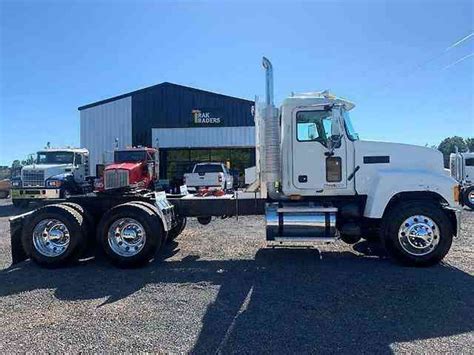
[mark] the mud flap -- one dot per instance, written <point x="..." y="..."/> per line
<point x="16" y="228"/>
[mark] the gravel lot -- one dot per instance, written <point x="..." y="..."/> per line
<point x="220" y="289"/>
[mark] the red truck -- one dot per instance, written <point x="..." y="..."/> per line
<point x="135" y="168"/>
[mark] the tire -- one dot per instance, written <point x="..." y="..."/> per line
<point x="178" y="229"/>
<point x="350" y="239"/>
<point x="428" y="224"/>
<point x="89" y="223"/>
<point x="153" y="209"/>
<point x="65" y="243"/>
<point x="20" y="203"/>
<point x="204" y="220"/>
<point x="468" y="197"/>
<point x="138" y="244"/>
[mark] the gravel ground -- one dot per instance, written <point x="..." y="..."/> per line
<point x="220" y="289"/>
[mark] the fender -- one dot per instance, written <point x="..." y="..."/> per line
<point x="388" y="183"/>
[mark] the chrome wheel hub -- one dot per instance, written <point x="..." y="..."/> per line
<point x="126" y="237"/>
<point x="51" y="237"/>
<point x="470" y="197"/>
<point x="418" y="235"/>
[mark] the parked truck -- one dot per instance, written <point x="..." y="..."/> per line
<point x="318" y="182"/>
<point x="209" y="175"/>
<point x="462" y="169"/>
<point x="133" y="168"/>
<point x="55" y="173"/>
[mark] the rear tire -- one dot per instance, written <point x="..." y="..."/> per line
<point x="468" y="197"/>
<point x="417" y="233"/>
<point x="130" y="234"/>
<point x="53" y="236"/>
<point x="178" y="229"/>
<point x="89" y="224"/>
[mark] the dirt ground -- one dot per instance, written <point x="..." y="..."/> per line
<point x="219" y="288"/>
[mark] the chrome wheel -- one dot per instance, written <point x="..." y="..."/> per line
<point x="126" y="237"/>
<point x="51" y="237"/>
<point x="418" y="235"/>
<point x="470" y="197"/>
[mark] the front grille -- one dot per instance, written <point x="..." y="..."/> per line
<point x="33" y="178"/>
<point x="114" y="179"/>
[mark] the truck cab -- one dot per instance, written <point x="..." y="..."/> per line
<point x="322" y="182"/>
<point x="55" y="173"/>
<point x="133" y="168"/>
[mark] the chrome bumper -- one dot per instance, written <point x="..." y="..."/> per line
<point x="35" y="194"/>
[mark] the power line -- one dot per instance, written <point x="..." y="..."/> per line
<point x="460" y="41"/>
<point x="459" y="61"/>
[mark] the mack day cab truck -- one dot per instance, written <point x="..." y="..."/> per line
<point x="55" y="173"/>
<point x="462" y="169"/>
<point x="317" y="182"/>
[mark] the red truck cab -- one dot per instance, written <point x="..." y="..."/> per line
<point x="136" y="167"/>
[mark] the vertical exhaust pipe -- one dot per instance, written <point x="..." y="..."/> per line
<point x="271" y="126"/>
<point x="268" y="81"/>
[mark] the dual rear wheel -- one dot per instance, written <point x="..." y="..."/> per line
<point x="130" y="234"/>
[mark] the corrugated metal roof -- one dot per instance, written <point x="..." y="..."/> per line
<point x="97" y="103"/>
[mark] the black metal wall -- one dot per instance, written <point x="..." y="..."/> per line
<point x="169" y="105"/>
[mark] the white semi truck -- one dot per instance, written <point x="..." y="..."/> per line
<point x="55" y="173"/>
<point x="318" y="182"/>
<point x="462" y="169"/>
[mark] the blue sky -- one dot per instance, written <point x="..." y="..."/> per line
<point x="389" y="57"/>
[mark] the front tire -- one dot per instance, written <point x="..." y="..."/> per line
<point x="130" y="234"/>
<point x="417" y="233"/>
<point x="469" y="197"/>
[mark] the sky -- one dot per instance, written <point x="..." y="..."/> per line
<point x="399" y="61"/>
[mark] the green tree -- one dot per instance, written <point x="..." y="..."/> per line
<point x="470" y="144"/>
<point x="447" y="146"/>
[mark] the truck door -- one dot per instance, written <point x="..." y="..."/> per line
<point x="314" y="167"/>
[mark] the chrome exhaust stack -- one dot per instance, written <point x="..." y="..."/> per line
<point x="271" y="166"/>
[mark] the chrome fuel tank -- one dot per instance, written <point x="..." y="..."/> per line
<point x="298" y="222"/>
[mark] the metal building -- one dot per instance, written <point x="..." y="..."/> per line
<point x="189" y="125"/>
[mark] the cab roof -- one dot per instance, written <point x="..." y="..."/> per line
<point x="68" y="150"/>
<point x="318" y="98"/>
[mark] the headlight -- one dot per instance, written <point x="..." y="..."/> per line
<point x="54" y="183"/>
<point x="16" y="183"/>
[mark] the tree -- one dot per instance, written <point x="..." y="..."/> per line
<point x="470" y="144"/>
<point x="447" y="146"/>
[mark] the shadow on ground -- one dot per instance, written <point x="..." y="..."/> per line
<point x="286" y="299"/>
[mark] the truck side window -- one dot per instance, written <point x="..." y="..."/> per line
<point x="313" y="126"/>
<point x="470" y="162"/>
<point x="78" y="159"/>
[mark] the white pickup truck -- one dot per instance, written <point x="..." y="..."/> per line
<point x="209" y="175"/>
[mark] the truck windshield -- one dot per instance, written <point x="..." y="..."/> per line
<point x="55" y="158"/>
<point x="129" y="156"/>
<point x="208" y="168"/>
<point x="351" y="133"/>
